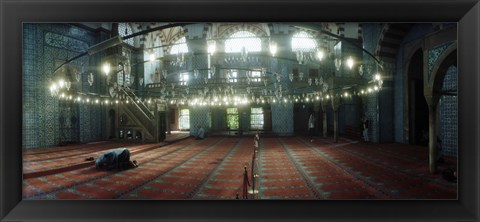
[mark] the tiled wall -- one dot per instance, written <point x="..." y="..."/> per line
<point x="282" y="118"/>
<point x="371" y="34"/>
<point x="44" y="45"/>
<point x="200" y="116"/>
<point x="449" y="115"/>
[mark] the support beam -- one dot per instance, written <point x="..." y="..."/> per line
<point x="432" y="144"/>
<point x="432" y="101"/>
<point x="324" y="118"/>
<point x="335" y="106"/>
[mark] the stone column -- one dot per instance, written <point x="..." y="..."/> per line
<point x="324" y="119"/>
<point x="432" y="135"/>
<point x="335" y="106"/>
<point x="432" y="101"/>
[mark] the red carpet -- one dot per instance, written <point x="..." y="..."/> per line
<point x="287" y="168"/>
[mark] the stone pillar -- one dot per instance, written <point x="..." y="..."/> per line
<point x="324" y="119"/>
<point x="167" y="120"/>
<point x="335" y="106"/>
<point x="432" y="135"/>
<point x="432" y="101"/>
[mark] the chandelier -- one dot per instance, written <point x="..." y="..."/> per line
<point x="236" y="78"/>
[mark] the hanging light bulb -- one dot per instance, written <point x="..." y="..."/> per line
<point x="61" y="83"/>
<point x="350" y="63"/>
<point x="106" y="68"/>
<point x="320" y="55"/>
<point x="378" y="77"/>
<point x="151" y="57"/>
<point x="211" y="47"/>
<point x="273" y="48"/>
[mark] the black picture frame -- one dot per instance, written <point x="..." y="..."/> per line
<point x="14" y="13"/>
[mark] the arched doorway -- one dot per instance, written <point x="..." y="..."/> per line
<point x="417" y="105"/>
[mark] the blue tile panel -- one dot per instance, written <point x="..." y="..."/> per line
<point x="44" y="119"/>
<point x="449" y="115"/>
<point x="433" y="55"/>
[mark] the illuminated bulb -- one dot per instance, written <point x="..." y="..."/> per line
<point x="320" y="55"/>
<point x="151" y="57"/>
<point x="62" y="95"/>
<point x="307" y="99"/>
<point x="362" y="91"/>
<point x="106" y="68"/>
<point x="369" y="90"/>
<point x="346" y="94"/>
<point x="350" y="62"/>
<point x="377" y="77"/>
<point x="97" y="101"/>
<point x="317" y="97"/>
<point x="53" y="87"/>
<point x="116" y="101"/>
<point x="70" y="97"/>
<point x="88" y="100"/>
<point x="376" y="88"/>
<point x="328" y="96"/>
<point x="61" y="83"/>
<point x="273" y="48"/>
<point x="211" y="48"/>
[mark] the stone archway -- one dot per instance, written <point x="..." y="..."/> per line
<point x="417" y="111"/>
<point x="433" y="94"/>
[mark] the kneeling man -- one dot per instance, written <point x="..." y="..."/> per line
<point x="115" y="159"/>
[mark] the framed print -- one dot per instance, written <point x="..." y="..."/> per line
<point x="260" y="111"/>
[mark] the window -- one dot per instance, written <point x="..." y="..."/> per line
<point x="180" y="46"/>
<point x="302" y="41"/>
<point x="184" y="119"/>
<point x="243" y="39"/>
<point x="255" y="75"/>
<point x="184" y="79"/>
<point x="256" y="118"/>
<point x="232" y="118"/>
<point x="124" y="30"/>
<point x="232" y="76"/>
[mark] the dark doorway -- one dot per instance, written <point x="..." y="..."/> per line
<point x="418" y="108"/>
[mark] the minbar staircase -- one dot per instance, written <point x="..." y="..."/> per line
<point x="142" y="116"/>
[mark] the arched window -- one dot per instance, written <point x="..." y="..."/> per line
<point x="124" y="30"/>
<point x="302" y="41"/>
<point x="243" y="39"/>
<point x="184" y="119"/>
<point x="180" y="46"/>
